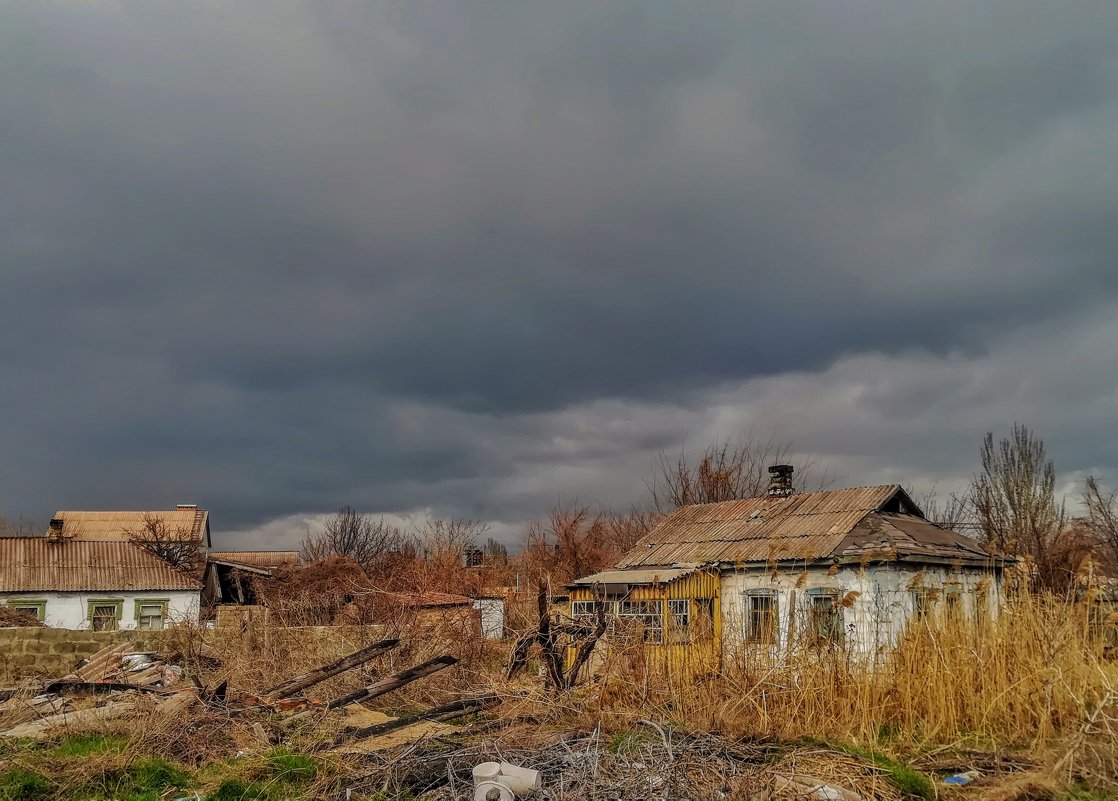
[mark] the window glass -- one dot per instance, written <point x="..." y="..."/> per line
<point x="760" y="617"/>
<point x="921" y="604"/>
<point x="680" y="611"/>
<point x="33" y="611"/>
<point x="150" y="617"/>
<point x="825" y="621"/>
<point x="104" y="617"/>
<point x="649" y="613"/>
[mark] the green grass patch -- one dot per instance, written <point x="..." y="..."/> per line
<point x="82" y="745"/>
<point x="291" y="768"/>
<point x="908" y="780"/>
<point x="144" y="780"/>
<point x="626" y="742"/>
<point x="23" y="785"/>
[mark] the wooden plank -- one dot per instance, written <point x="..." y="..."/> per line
<point x="455" y="709"/>
<point x="356" y="659"/>
<point x="394" y="682"/>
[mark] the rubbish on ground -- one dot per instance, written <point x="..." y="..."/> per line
<point x="965" y="777"/>
<point x="504" y="779"/>
<point x="814" y="787"/>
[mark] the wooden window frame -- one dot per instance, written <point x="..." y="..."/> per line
<point x="38" y="604"/>
<point x="817" y="637"/>
<point x="116" y="603"/>
<point x="751" y="636"/>
<point x="163" y="604"/>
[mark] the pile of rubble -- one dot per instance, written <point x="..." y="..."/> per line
<point x="120" y="681"/>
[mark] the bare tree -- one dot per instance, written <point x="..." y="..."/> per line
<point x="1015" y="502"/>
<point x="19" y="527"/>
<point x="368" y="542"/>
<point x="176" y="545"/>
<point x="724" y="471"/>
<point x="1102" y="518"/>
<point x="953" y="511"/>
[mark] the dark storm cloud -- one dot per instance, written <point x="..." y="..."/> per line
<point x="283" y="257"/>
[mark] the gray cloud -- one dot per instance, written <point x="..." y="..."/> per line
<point x="277" y="258"/>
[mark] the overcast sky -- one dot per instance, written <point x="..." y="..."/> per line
<point x="476" y="258"/>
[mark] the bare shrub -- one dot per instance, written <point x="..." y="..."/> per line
<point x="375" y="544"/>
<point x="176" y="545"/>
<point x="1102" y="519"/>
<point x="1014" y="498"/>
<point x="724" y="471"/>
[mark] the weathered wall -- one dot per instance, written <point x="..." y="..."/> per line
<point x="29" y="652"/>
<point x="875" y="617"/>
<point x="70" y="610"/>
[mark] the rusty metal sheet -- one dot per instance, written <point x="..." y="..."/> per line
<point x="36" y="564"/>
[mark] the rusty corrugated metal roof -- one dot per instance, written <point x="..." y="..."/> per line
<point x="658" y="575"/>
<point x="257" y="558"/>
<point x="805" y="526"/>
<point x="909" y="536"/>
<point x="115" y="526"/>
<point x="36" y="564"/>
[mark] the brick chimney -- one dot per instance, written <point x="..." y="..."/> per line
<point x="54" y="529"/>
<point x="780" y="481"/>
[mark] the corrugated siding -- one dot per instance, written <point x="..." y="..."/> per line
<point x="114" y="526"/>
<point x="807" y="526"/>
<point x="257" y="558"/>
<point x="35" y="564"/>
<point x="682" y="660"/>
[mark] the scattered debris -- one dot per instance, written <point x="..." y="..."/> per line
<point x="963" y="778"/>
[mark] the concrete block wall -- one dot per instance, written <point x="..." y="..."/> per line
<point x="45" y="652"/>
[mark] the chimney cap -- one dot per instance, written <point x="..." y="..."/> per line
<point x="780" y="481"/>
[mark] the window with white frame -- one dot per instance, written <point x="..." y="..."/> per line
<point x="650" y="614"/>
<point x="582" y="608"/>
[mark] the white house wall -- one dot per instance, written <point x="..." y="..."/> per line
<point x="70" y="610"/>
<point x="874" y="618"/>
<point x="492" y="617"/>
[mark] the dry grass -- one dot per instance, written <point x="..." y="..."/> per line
<point x="1026" y="680"/>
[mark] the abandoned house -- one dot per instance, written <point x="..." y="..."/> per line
<point x="70" y="583"/>
<point x="850" y="567"/>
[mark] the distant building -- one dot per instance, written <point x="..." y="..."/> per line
<point x="87" y="584"/>
<point x="850" y="568"/>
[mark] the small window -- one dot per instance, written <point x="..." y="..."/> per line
<point x="150" y="617"/>
<point x="35" y="610"/>
<point x="760" y="617"/>
<point x="649" y="613"/>
<point x="680" y="611"/>
<point x="825" y="621"/>
<point x="921" y="604"/>
<point x="103" y="617"/>
<point x="981" y="609"/>
<point x="953" y="604"/>
<point x="582" y="608"/>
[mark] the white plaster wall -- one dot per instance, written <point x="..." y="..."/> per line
<point x="68" y="610"/>
<point x="877" y="616"/>
<point x="492" y="617"/>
